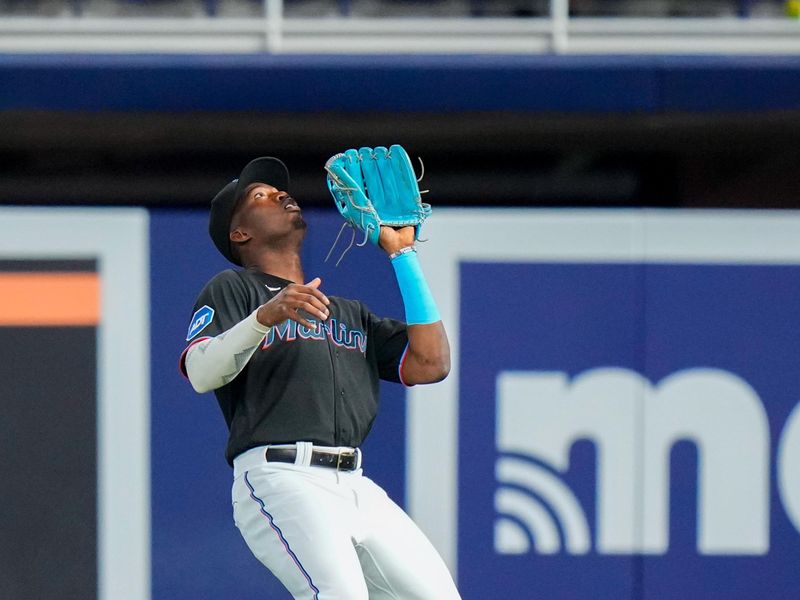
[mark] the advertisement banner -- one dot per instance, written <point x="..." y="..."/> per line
<point x="625" y="409"/>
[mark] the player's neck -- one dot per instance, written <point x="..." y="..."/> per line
<point x="284" y="264"/>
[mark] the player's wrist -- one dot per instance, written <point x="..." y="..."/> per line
<point x="400" y="251"/>
<point x="262" y="319"/>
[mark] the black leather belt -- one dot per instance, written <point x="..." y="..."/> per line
<point x="341" y="461"/>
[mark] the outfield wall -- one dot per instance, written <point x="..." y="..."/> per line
<point x="621" y="420"/>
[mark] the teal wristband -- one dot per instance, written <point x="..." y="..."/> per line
<point x="417" y="298"/>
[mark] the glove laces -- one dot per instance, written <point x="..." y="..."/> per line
<point x="352" y="241"/>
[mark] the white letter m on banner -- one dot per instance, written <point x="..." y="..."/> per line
<point x="634" y="426"/>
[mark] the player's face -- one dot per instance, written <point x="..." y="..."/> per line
<point x="266" y="212"/>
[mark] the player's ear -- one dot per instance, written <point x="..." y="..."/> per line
<point x="239" y="236"/>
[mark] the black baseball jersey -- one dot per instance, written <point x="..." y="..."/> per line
<point x="318" y="385"/>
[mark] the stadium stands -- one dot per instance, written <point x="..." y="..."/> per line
<point x="406" y="8"/>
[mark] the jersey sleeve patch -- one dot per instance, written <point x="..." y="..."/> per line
<point x="200" y="320"/>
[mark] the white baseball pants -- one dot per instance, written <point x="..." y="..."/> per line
<point x="333" y="535"/>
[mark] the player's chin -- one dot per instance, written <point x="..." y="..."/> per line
<point x="299" y="222"/>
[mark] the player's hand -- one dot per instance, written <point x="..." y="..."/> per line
<point x="392" y="239"/>
<point x="293" y="302"/>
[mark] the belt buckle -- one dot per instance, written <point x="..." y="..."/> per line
<point x="339" y="458"/>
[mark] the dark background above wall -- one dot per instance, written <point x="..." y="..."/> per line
<point x="486" y="158"/>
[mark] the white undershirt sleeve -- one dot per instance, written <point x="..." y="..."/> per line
<point x="214" y="362"/>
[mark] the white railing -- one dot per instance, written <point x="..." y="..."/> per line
<point x="275" y="33"/>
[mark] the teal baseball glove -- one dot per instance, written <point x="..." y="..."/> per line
<point x="375" y="187"/>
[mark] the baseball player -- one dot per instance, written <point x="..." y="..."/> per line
<point x="296" y="372"/>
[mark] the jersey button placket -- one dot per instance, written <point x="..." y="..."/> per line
<point x="342" y="430"/>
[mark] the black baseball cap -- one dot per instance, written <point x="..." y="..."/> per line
<point x="267" y="170"/>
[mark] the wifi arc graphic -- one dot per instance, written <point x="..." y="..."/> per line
<point x="536" y="509"/>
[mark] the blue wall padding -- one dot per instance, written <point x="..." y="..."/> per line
<point x="399" y="83"/>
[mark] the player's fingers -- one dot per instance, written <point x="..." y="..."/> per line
<point x="294" y="289"/>
<point x="313" y="291"/>
<point x="296" y="299"/>
<point x="295" y="313"/>
<point x="305" y="295"/>
<point x="313" y="306"/>
<point x="302" y="320"/>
